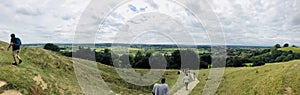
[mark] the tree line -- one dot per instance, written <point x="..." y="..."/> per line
<point x="140" y="59"/>
<point x="260" y="57"/>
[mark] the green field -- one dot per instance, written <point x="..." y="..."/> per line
<point x="294" y="49"/>
<point x="270" y="79"/>
<point x="58" y="74"/>
<point x="133" y="51"/>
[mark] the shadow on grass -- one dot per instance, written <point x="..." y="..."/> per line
<point x="6" y="63"/>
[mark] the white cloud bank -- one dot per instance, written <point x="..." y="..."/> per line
<point x="245" y="22"/>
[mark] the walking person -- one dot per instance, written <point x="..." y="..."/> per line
<point x="161" y="89"/>
<point x="186" y="81"/>
<point x="194" y="75"/>
<point x="15" y="43"/>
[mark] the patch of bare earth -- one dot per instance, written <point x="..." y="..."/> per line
<point x="9" y="92"/>
<point x="36" y="90"/>
<point x="2" y="83"/>
<point x="288" y="91"/>
<point x="293" y="66"/>
<point x="39" y="81"/>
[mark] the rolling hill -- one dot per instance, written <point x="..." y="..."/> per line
<point x="271" y="79"/>
<point x="294" y="49"/>
<point x="42" y="72"/>
<point x="46" y="72"/>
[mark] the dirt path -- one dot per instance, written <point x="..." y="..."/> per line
<point x="39" y="81"/>
<point x="2" y="83"/>
<point x="183" y="91"/>
<point x="288" y="91"/>
<point x="9" y="92"/>
<point x="292" y="67"/>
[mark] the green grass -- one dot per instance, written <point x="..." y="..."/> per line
<point x="54" y="69"/>
<point x="294" y="49"/>
<point x="271" y="79"/>
<point x="58" y="72"/>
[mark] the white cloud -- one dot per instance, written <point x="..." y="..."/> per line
<point x="245" y="22"/>
<point x="36" y="21"/>
<point x="257" y="22"/>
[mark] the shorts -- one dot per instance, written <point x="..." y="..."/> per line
<point x="186" y="83"/>
<point x="16" y="52"/>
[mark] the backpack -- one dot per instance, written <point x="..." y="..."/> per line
<point x="18" y="42"/>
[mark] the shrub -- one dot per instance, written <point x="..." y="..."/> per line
<point x="258" y="63"/>
<point x="52" y="47"/>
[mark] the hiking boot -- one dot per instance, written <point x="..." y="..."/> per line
<point x="14" y="64"/>
<point x="20" y="61"/>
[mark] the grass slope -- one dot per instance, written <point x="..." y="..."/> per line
<point x="55" y="71"/>
<point x="271" y="79"/>
<point x="58" y="73"/>
<point x="294" y="49"/>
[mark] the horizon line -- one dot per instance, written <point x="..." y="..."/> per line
<point x="155" y="44"/>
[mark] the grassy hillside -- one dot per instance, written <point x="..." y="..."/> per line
<point x="294" y="49"/>
<point x="271" y="79"/>
<point x="57" y="75"/>
<point x="55" y="71"/>
<point x="46" y="72"/>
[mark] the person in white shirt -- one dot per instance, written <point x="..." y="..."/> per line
<point x="161" y="89"/>
<point x="186" y="81"/>
<point x="155" y="88"/>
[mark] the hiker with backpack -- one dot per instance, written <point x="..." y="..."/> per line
<point x="15" y="43"/>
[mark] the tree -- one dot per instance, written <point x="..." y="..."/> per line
<point x="205" y="60"/>
<point x="289" y="57"/>
<point x="234" y="62"/>
<point x="84" y="53"/>
<point x="175" y="60"/>
<point x="52" y="47"/>
<point x="107" y="57"/>
<point x="265" y="51"/>
<point x="137" y="59"/>
<point x="297" y="56"/>
<point x="190" y="59"/>
<point x="280" y="58"/>
<point x="267" y="58"/>
<point x="277" y="46"/>
<point x="123" y="61"/>
<point x="238" y="62"/>
<point x="141" y="60"/>
<point x="286" y="45"/>
<point x="275" y="53"/>
<point x="258" y="63"/>
<point x="68" y="54"/>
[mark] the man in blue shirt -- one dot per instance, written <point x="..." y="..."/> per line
<point x="15" y="43"/>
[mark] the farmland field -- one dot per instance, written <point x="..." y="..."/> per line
<point x="294" y="49"/>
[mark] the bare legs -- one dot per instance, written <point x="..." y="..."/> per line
<point x="17" y="57"/>
<point x="186" y="86"/>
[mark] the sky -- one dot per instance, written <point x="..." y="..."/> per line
<point x="243" y="22"/>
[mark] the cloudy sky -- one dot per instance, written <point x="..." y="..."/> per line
<point x="244" y="22"/>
